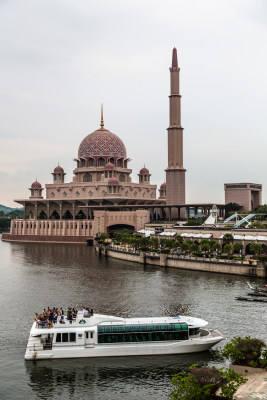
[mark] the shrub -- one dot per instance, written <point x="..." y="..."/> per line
<point x="245" y="351"/>
<point x="202" y="383"/>
<point x="165" y="251"/>
<point x="198" y="254"/>
<point x="144" y="248"/>
<point x="262" y="258"/>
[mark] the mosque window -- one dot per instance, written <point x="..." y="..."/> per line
<point x="91" y="162"/>
<point x="90" y="192"/>
<point x="52" y="194"/>
<point x="87" y="178"/>
<point x="119" y="163"/>
<point x="145" y="178"/>
<point x="106" y="174"/>
<point x="110" y="189"/>
<point x="114" y="189"/>
<point x="77" y="193"/>
<point x="141" y="178"/>
<point x="111" y="160"/>
<point x="64" y="194"/>
<point x="122" y="178"/>
<point x="125" y="164"/>
<point x="101" y="162"/>
<point x="110" y="174"/>
<point x="104" y="193"/>
<point x="82" y="163"/>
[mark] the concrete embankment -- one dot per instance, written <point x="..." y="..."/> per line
<point x="235" y="267"/>
<point x="256" y="385"/>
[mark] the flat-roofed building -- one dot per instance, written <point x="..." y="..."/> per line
<point x="247" y="195"/>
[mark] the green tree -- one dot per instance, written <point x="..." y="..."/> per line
<point x="232" y="207"/>
<point x="201" y="383"/>
<point x="214" y="246"/>
<point x="256" y="248"/>
<point x="178" y="239"/>
<point x="228" y="238"/>
<point x="237" y="247"/>
<point x="228" y="248"/>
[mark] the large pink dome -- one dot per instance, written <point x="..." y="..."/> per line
<point x="102" y="143"/>
<point x="163" y="186"/>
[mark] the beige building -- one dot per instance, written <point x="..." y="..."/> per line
<point x="247" y="195"/>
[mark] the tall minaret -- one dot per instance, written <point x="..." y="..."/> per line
<point x="175" y="172"/>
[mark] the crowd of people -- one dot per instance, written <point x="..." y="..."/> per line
<point x="54" y="315"/>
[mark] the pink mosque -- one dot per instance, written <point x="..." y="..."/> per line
<point x="102" y="196"/>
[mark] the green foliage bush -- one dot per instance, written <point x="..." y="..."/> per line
<point x="144" y="248"/>
<point x="262" y="258"/>
<point x="202" y="383"/>
<point x="245" y="351"/>
<point x="165" y="251"/>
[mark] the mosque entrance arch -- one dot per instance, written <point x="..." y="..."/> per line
<point x="119" y="228"/>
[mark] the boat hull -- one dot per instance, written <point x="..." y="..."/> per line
<point x="193" y="345"/>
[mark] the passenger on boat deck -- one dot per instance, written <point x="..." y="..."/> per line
<point x="85" y="312"/>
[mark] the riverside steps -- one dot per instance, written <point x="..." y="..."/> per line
<point x="254" y="268"/>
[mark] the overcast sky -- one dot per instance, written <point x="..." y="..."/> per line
<point x="59" y="59"/>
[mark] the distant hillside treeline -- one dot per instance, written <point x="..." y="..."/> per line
<point x="8" y="213"/>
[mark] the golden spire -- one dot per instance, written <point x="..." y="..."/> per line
<point x="102" y="121"/>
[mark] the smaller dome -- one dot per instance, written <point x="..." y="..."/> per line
<point x="113" y="182"/>
<point x="163" y="186"/>
<point x="144" y="171"/>
<point x="36" y="185"/>
<point x="58" y="170"/>
<point x="109" y="165"/>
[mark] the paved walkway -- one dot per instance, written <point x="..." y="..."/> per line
<point x="256" y="386"/>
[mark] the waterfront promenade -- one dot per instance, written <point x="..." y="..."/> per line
<point x="252" y="268"/>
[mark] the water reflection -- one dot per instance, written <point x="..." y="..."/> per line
<point x="77" y="378"/>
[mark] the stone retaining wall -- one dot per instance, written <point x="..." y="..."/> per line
<point x="40" y="238"/>
<point x="256" y="269"/>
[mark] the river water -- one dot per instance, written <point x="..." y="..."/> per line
<point x="34" y="276"/>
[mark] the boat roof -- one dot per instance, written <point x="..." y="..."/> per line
<point x="83" y="323"/>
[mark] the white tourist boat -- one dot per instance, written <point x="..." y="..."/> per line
<point x="109" y="336"/>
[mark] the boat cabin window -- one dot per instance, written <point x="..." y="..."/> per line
<point x="193" y="331"/>
<point x="142" y="333"/>
<point x="66" y="337"/>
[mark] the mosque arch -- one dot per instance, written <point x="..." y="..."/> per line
<point x="101" y="162"/>
<point x="119" y="162"/>
<point x="91" y="162"/>
<point x="67" y="215"/>
<point x="119" y="228"/>
<point x="247" y="249"/>
<point x="54" y="215"/>
<point x="80" y="215"/>
<point x="264" y="249"/>
<point x="42" y="215"/>
<point x="122" y="178"/>
<point x="82" y="163"/>
<point x="87" y="177"/>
